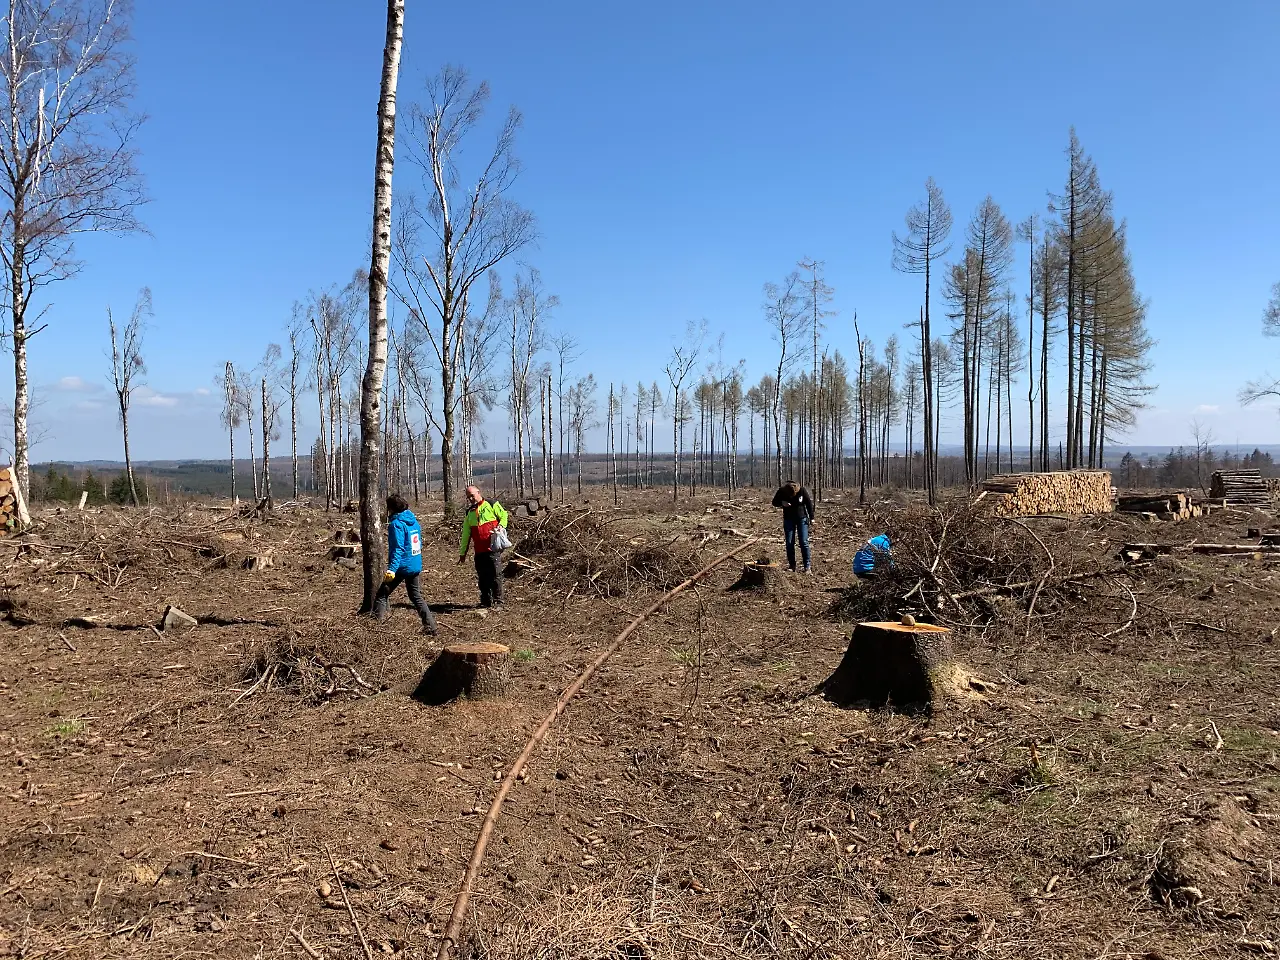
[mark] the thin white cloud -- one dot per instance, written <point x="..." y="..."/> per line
<point x="76" y="385"/>
<point x="158" y="400"/>
<point x="1207" y="408"/>
<point x="202" y="391"/>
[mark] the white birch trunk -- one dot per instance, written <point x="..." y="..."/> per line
<point x="380" y="260"/>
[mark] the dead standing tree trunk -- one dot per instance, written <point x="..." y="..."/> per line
<point x="127" y="366"/>
<point x="380" y="260"/>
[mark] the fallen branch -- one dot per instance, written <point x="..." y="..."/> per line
<point x="449" y="938"/>
<point x="311" y="951"/>
<point x="368" y="953"/>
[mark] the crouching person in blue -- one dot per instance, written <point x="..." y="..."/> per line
<point x="872" y="558"/>
<point x="404" y="563"/>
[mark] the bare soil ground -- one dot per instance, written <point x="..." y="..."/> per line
<point x="1110" y="791"/>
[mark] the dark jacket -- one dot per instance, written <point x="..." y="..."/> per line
<point x="795" y="502"/>
<point x="404" y="544"/>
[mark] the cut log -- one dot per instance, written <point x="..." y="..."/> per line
<point x="343" y="551"/>
<point x="906" y="665"/>
<point x="474" y="670"/>
<point x="175" y="620"/>
<point x="1229" y="548"/>
<point x="759" y="577"/>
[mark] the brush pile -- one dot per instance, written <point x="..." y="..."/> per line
<point x="959" y="567"/>
<point x="314" y="668"/>
<point x="580" y="552"/>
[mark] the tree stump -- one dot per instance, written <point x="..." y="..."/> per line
<point x="761" y="577"/>
<point x="903" y="664"/>
<point x="474" y="670"/>
<point x="258" y="561"/>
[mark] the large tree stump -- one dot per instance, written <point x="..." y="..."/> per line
<point x="759" y="576"/>
<point x="473" y="670"/>
<point x="904" y="664"/>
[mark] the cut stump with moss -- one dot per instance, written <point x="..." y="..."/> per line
<point x="908" y="665"/>
<point x="477" y="671"/>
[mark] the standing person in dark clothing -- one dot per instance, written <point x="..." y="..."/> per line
<point x="797" y="513"/>
<point x="404" y="563"/>
<point x="483" y="518"/>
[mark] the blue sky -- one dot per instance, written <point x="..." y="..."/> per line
<point x="678" y="156"/>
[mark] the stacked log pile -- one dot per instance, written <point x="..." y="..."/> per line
<point x="1160" y="506"/>
<point x="1073" y="493"/>
<point x="13" y="508"/>
<point x="1240" y="488"/>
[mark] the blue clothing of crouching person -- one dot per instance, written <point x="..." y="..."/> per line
<point x="404" y="562"/>
<point x="873" y="557"/>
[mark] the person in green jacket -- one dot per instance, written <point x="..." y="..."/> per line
<point x="483" y="518"/>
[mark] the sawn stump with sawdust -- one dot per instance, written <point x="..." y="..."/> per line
<point x="908" y="665"/>
<point x="476" y="671"/>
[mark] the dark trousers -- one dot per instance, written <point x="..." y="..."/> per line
<point x="797" y="529"/>
<point x="382" y="602"/>
<point x="489" y="577"/>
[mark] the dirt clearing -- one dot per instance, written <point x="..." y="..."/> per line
<point x="263" y="783"/>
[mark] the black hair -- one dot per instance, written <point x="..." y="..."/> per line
<point x="396" y="504"/>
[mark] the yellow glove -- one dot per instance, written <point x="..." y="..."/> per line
<point x="388" y="577"/>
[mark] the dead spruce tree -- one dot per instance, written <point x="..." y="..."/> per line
<point x="66" y="156"/>
<point x="456" y="234"/>
<point x="127" y="369"/>
<point x="926" y="241"/>
<point x="371" y="544"/>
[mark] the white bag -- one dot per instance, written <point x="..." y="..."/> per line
<point x="498" y="540"/>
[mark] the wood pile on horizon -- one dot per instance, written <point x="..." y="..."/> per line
<point x="1072" y="493"/>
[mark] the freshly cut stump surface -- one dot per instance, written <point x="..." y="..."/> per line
<point x="906" y="665"/>
<point x="474" y="670"/>
<point x="763" y="577"/>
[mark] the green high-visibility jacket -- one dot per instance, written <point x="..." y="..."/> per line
<point x="479" y="524"/>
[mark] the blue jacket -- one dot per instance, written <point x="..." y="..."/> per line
<point x="875" y="553"/>
<point x="404" y="544"/>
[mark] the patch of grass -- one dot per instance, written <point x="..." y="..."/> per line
<point x="782" y="666"/>
<point x="686" y="658"/>
<point x="66" y="729"/>
<point x="1249" y="740"/>
<point x="525" y="655"/>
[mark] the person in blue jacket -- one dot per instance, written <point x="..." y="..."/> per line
<point x="404" y="563"/>
<point x="873" y="557"/>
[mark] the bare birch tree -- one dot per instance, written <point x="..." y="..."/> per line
<point x="231" y="417"/>
<point x="471" y="228"/>
<point x="784" y="311"/>
<point x="66" y="156"/>
<point x="127" y="369"/>
<point x="528" y="311"/>
<point x="371" y="540"/>
<point x="1265" y="386"/>
<point x="684" y="357"/>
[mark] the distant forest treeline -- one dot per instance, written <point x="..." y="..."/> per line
<point x="1180" y="468"/>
